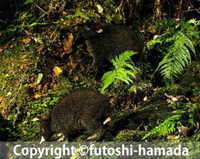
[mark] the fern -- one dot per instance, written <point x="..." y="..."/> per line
<point x="124" y="70"/>
<point x="177" y="46"/>
<point x="177" y="58"/>
<point x="168" y="126"/>
<point x="185" y="114"/>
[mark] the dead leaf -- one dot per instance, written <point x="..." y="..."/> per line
<point x="112" y="100"/>
<point x="68" y="43"/>
<point x="2" y="107"/>
<point x="76" y="78"/>
<point x="145" y="99"/>
<point x="173" y="137"/>
<point x="26" y="40"/>
<point x="174" y="99"/>
<point x="70" y="72"/>
<point x="71" y="62"/>
<point x="1" y="99"/>
<point x="2" y="102"/>
<point x="183" y="130"/>
<point x="41" y="47"/>
<point x="36" y="96"/>
<point x="57" y="71"/>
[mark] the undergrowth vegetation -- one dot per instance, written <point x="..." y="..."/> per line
<point x="175" y="47"/>
<point x="184" y="116"/>
<point x="44" y="56"/>
<point x="124" y="70"/>
<point x="23" y="113"/>
<point x="172" y="124"/>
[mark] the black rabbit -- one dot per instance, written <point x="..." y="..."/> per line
<point x="104" y="43"/>
<point x="83" y="109"/>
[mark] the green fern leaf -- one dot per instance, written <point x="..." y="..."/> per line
<point x="124" y="70"/>
<point x="175" y="47"/>
<point x="123" y="76"/>
<point x="168" y="126"/>
<point x="108" y="79"/>
<point x="177" y="58"/>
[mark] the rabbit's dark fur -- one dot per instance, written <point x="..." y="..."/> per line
<point x="83" y="109"/>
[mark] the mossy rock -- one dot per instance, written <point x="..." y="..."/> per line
<point x="187" y="82"/>
<point x="129" y="135"/>
<point x="136" y="136"/>
<point x="152" y="112"/>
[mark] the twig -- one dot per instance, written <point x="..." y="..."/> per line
<point x="192" y="10"/>
<point x="40" y="8"/>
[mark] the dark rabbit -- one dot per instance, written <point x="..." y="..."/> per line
<point x="83" y="109"/>
<point x="104" y="43"/>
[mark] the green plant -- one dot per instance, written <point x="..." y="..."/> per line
<point x="183" y="115"/>
<point x="196" y="93"/>
<point x="28" y="2"/>
<point x="175" y="47"/>
<point x="77" y="15"/>
<point x="168" y="126"/>
<point x="124" y="70"/>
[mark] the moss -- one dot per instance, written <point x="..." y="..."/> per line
<point x="83" y="136"/>
<point x="17" y="107"/>
<point x="188" y="81"/>
<point x="153" y="111"/>
<point x="129" y="135"/>
<point x="196" y="137"/>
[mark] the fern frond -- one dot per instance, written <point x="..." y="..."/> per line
<point x="124" y="70"/>
<point x="123" y="59"/>
<point x="175" y="47"/>
<point x="171" y="124"/>
<point x="108" y="78"/>
<point x="167" y="127"/>
<point x="177" y="58"/>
